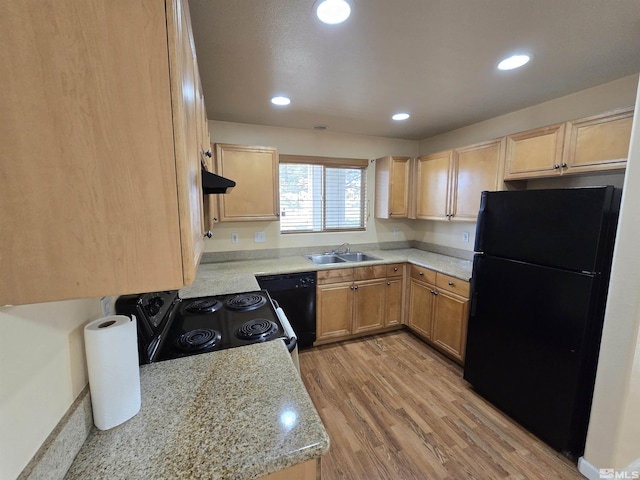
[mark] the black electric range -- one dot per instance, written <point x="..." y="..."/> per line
<point x="170" y="327"/>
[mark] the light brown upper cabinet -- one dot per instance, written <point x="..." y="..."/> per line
<point x="392" y="187"/>
<point x="433" y="186"/>
<point x="535" y="153"/>
<point x="449" y="183"/>
<point x="109" y="199"/>
<point x="598" y="143"/>
<point x="475" y="168"/>
<point x="587" y="145"/>
<point x="255" y="171"/>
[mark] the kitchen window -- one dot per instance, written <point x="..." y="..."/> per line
<point x="322" y="194"/>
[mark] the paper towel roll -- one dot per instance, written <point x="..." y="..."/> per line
<point x="114" y="374"/>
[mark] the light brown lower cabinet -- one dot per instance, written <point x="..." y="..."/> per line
<point x="357" y="301"/>
<point x="439" y="310"/>
<point x="309" y="470"/>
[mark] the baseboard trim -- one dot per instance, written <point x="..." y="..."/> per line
<point x="588" y="470"/>
<point x="591" y="472"/>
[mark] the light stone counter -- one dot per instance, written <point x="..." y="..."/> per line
<point x="239" y="276"/>
<point x="240" y="413"/>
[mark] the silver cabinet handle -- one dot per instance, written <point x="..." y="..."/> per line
<point x="556" y="166"/>
<point x="450" y="283"/>
<point x="208" y="234"/>
<point x="420" y="273"/>
<point x="395" y="269"/>
<point x="564" y="165"/>
<point x="388" y="283"/>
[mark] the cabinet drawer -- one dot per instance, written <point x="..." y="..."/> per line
<point x="452" y="284"/>
<point x="395" y="270"/>
<point x="367" y="273"/>
<point x="336" y="275"/>
<point x="423" y="274"/>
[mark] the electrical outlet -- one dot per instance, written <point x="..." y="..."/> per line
<point x="395" y="232"/>
<point x="105" y="305"/>
<point x="234" y="238"/>
<point x="465" y="237"/>
<point x="259" y="237"/>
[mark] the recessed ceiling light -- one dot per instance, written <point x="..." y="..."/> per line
<point x="281" y="101"/>
<point x="332" y="11"/>
<point x="400" y="116"/>
<point x="512" y="62"/>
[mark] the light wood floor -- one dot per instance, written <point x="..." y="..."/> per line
<point x="396" y="409"/>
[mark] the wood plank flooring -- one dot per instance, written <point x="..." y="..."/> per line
<point x="394" y="408"/>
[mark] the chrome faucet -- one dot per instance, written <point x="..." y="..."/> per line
<point x="338" y="251"/>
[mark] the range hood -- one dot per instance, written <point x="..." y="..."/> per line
<point x="212" y="183"/>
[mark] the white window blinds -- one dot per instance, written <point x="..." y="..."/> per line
<point x="318" y="194"/>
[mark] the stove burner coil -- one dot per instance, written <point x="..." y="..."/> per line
<point x="199" y="339"/>
<point x="246" y="301"/>
<point x="203" y="305"/>
<point x="259" y="329"/>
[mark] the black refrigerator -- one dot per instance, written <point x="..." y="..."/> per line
<point x="539" y="288"/>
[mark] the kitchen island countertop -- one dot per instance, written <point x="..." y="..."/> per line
<point x="239" y="276"/>
<point x="221" y="415"/>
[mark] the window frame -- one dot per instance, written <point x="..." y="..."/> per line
<point x="330" y="162"/>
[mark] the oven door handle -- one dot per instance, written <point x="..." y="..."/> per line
<point x="292" y="340"/>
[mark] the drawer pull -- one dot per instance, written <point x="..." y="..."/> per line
<point x="421" y="273"/>
<point x="450" y="284"/>
<point x="395" y="269"/>
<point x="388" y="283"/>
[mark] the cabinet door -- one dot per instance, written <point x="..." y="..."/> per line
<point x="450" y="317"/>
<point x="98" y="213"/>
<point x="255" y="171"/>
<point x="369" y="305"/>
<point x="535" y="153"/>
<point x="182" y="65"/>
<point x="392" y="187"/>
<point x="597" y="143"/>
<point x="395" y="287"/>
<point x="475" y="169"/>
<point x="433" y="186"/>
<point x="421" y="299"/>
<point x="334" y="308"/>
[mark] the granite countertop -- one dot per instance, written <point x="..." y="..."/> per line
<point x="220" y="415"/>
<point x="239" y="276"/>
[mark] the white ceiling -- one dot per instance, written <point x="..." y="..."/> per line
<point x="435" y="59"/>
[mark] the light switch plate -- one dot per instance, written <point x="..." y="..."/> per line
<point x="465" y="237"/>
<point x="259" y="237"/>
<point x="234" y="238"/>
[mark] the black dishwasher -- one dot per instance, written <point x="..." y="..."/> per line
<point x="296" y="294"/>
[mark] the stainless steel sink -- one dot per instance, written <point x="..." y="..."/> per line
<point x="327" y="258"/>
<point x="324" y="258"/>
<point x="357" y="257"/>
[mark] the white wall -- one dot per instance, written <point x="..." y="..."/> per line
<point x="309" y="142"/>
<point x="42" y="371"/>
<point x="613" y="440"/>
<point x="616" y="94"/>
